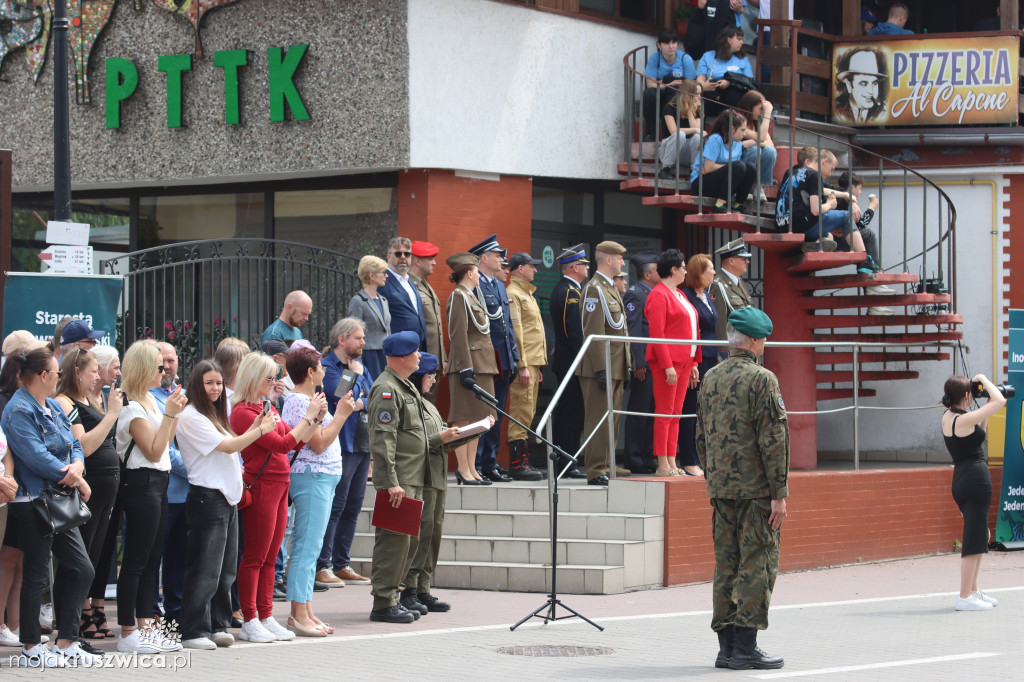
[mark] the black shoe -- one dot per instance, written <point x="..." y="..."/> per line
<point x="320" y="587"/>
<point x="669" y="173"/>
<point x="411" y="603"/>
<point x="459" y="480"/>
<point x="235" y="623"/>
<point x="433" y="603"/>
<point x="726" y="639"/>
<point x="575" y="472"/>
<point x="280" y="593"/>
<point x="648" y="138"/>
<point x="412" y="612"/>
<point x="89" y="648"/>
<point x="746" y="654"/>
<point x="392" y="614"/>
<point x="740" y="208"/>
<point x="496" y="475"/>
<point x="720" y="209"/>
<point x="600" y="480"/>
<point x="527" y="473"/>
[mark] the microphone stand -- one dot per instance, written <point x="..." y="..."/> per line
<point x="545" y="611"/>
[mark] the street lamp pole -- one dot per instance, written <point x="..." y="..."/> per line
<point x="61" y="125"/>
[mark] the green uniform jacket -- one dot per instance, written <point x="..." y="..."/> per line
<point x="727" y="297"/>
<point x="431" y="318"/>
<point x="438" y="459"/>
<point x="742" y="430"/>
<point x="399" y="441"/>
<point x="597" y="292"/>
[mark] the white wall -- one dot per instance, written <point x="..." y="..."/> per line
<point x="504" y="89"/>
<point x="978" y="197"/>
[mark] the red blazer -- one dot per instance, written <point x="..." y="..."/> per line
<point x="668" y="318"/>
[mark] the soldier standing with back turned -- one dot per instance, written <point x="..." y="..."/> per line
<point x="743" y="445"/>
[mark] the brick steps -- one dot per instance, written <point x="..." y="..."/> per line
<point x="813" y="261"/>
<point x="837" y="302"/>
<point x="848" y="321"/>
<point x="820" y="282"/>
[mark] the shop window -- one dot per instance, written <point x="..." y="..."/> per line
<point x="170" y="219"/>
<point x="628" y="209"/>
<point x="351" y="221"/>
<point x="562" y="206"/>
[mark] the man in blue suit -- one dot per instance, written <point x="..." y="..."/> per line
<point x="494" y="298"/>
<point x="403" y="298"/>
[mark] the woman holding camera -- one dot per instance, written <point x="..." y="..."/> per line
<point x="266" y="477"/>
<point x="963" y="431"/>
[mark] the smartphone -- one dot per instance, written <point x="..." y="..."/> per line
<point x="280" y="372"/>
<point x="318" y="390"/>
<point x="266" y="406"/>
<point x="345" y="384"/>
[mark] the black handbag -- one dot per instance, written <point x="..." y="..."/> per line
<point x="59" y="509"/>
<point x="740" y="81"/>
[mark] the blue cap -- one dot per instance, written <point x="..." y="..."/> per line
<point x="643" y="258"/>
<point x="76" y="330"/>
<point x="489" y="244"/>
<point x="428" y="364"/>
<point x="573" y="254"/>
<point x="866" y="15"/>
<point x="400" y="344"/>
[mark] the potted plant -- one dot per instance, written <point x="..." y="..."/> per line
<point x="684" y="13"/>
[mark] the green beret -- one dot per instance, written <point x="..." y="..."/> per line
<point x="751" y="321"/>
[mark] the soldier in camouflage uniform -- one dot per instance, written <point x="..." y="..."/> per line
<point x="743" y="445"/>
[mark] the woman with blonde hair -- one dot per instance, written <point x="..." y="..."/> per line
<point x="700" y="271"/>
<point x="372" y="308"/>
<point x="754" y="107"/>
<point x="143" y="437"/>
<point x="266" y="475"/>
<point x="683" y="142"/>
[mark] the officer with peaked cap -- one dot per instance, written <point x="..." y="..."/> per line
<point x="743" y="445"/>
<point x="567" y="330"/>
<point x="639" y="431"/>
<point x="493" y="296"/>
<point x="728" y="291"/>
<point x="603" y="314"/>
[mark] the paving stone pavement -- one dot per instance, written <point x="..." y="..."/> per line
<point x="882" y="621"/>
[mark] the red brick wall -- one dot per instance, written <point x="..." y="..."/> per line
<point x="455" y="214"/>
<point x="835" y="517"/>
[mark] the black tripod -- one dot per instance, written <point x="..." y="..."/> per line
<point x="545" y="611"/>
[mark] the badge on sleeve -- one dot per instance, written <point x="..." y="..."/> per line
<point x="631" y="306"/>
<point x="590" y="304"/>
<point x="781" y="404"/>
<point x="386" y="395"/>
<point x="384" y="417"/>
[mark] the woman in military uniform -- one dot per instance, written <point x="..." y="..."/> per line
<point x="469" y="336"/>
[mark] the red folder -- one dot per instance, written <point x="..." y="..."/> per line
<point x="403" y="519"/>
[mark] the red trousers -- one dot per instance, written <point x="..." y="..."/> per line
<point x="668" y="400"/>
<point x="263" y="524"/>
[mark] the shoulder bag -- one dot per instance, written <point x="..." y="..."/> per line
<point x="60" y="509"/>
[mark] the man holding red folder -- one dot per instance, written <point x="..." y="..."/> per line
<point x="399" y="445"/>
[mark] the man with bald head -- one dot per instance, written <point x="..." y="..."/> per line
<point x="287" y="327"/>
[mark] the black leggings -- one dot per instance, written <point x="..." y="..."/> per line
<point x="143" y="500"/>
<point x="716" y="182"/>
<point x="101" y="504"/>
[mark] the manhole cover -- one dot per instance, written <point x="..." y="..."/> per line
<point x="556" y="650"/>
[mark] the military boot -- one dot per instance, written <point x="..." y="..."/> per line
<point x="726" y="638"/>
<point x="746" y="655"/>
<point x="520" y="463"/>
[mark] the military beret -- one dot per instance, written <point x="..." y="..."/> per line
<point x="643" y="258"/>
<point x="751" y="321"/>
<point x="457" y="260"/>
<point x="614" y="248"/>
<point x="522" y="259"/>
<point x="623" y="274"/>
<point x="424" y="250"/>
<point x="573" y="254"/>
<point x="489" y="244"/>
<point x="274" y="346"/>
<point x="400" y="344"/>
<point x="428" y="364"/>
<point x="736" y="247"/>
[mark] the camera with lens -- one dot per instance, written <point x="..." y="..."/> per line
<point x="978" y="390"/>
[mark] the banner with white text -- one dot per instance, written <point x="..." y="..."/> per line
<point x="37" y="302"/>
<point x="926" y="82"/>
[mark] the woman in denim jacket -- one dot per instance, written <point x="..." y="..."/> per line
<point x="45" y="453"/>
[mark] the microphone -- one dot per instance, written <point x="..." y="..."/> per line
<point x="468" y="380"/>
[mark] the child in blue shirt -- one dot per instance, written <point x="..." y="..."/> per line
<point x="712" y="166"/>
<point x="666" y="69"/>
<point x="712" y="67"/>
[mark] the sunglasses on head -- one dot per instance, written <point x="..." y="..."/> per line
<point x="58" y="372"/>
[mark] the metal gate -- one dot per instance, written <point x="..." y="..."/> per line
<point x="193" y="294"/>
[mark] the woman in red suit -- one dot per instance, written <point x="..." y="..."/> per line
<point x="673" y="367"/>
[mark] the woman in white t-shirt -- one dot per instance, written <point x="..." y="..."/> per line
<point x="209" y="449"/>
<point x="143" y="434"/>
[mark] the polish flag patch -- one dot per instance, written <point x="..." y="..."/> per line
<point x="386" y="395"/>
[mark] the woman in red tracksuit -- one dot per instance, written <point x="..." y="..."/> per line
<point x="673" y="367"/>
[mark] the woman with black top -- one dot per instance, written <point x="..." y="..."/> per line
<point x="94" y="429"/>
<point x="963" y="431"/>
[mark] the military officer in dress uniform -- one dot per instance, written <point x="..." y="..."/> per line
<point x="603" y="314"/>
<point x="492" y="295"/>
<point x="567" y="328"/>
<point x="423" y="262"/>
<point x="728" y="291"/>
<point x="400" y="447"/>
<point x="640" y="430"/>
<point x="743" y="445"/>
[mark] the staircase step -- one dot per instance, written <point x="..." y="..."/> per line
<point x="840" y="393"/>
<point x="774" y="241"/>
<point x="647" y="185"/>
<point x="846" y="376"/>
<point x="835" y="302"/>
<point x="910" y="337"/>
<point x="843" y="321"/>
<point x="820" y="260"/>
<point x="730" y="221"/>
<point x="679" y="201"/>
<point x="874" y="357"/>
<point x="856" y="280"/>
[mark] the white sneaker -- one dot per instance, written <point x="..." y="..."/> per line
<point x="972" y="603"/>
<point x="8" y="638"/>
<point x="879" y="290"/>
<point x="199" y="643"/>
<point x="253" y="631"/>
<point x="136" y="643"/>
<point x="277" y="630"/>
<point x="985" y="598"/>
<point x="880" y="310"/>
<point x="40" y="657"/>
<point x="161" y="641"/>
<point x="46" y="616"/>
<point x="222" y="638"/>
<point x="43" y="639"/>
<point x="73" y="656"/>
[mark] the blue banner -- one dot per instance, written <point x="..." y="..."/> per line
<point x="1010" y="518"/>
<point x="37" y="302"/>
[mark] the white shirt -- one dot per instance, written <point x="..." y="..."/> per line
<point x="3" y="452"/>
<point x="207" y="466"/>
<point x="137" y="460"/>
<point x="410" y="290"/>
<point x="732" y="278"/>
